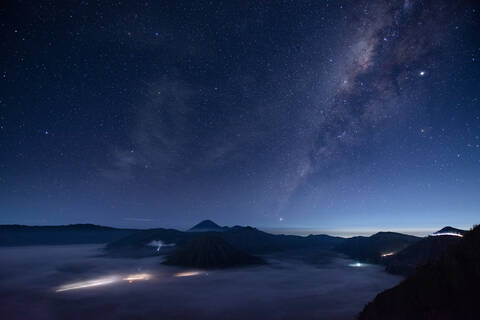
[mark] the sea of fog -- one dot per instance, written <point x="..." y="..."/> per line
<point x="75" y="282"/>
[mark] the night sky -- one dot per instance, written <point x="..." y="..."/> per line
<point x="317" y="114"/>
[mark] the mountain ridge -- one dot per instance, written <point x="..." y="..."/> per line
<point x="449" y="229"/>
<point x="446" y="288"/>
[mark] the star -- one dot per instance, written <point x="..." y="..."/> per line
<point x="422" y="73"/>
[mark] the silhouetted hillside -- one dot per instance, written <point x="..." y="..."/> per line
<point x="253" y="240"/>
<point x="371" y="248"/>
<point x="442" y="290"/>
<point x="419" y="253"/>
<point x="20" y="235"/>
<point x="449" y="229"/>
<point x="210" y="251"/>
<point x="248" y="239"/>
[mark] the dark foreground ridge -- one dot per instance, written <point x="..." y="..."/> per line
<point x="209" y="252"/>
<point x="444" y="289"/>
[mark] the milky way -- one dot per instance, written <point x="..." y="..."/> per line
<point x="318" y="114"/>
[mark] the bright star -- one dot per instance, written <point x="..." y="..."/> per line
<point x="422" y="73"/>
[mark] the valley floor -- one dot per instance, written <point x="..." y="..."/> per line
<point x="318" y="287"/>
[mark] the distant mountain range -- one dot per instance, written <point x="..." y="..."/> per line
<point x="444" y="288"/>
<point x="374" y="248"/>
<point x="400" y="253"/>
<point x="247" y="239"/>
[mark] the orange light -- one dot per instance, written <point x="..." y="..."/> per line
<point x="136" y="277"/>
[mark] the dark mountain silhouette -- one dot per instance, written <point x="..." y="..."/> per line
<point x="21" y="235"/>
<point x="207" y="225"/>
<point x="421" y="252"/>
<point x="248" y="239"/>
<point x="371" y="248"/>
<point x="256" y="241"/>
<point x="210" y="251"/>
<point x="449" y="229"/>
<point x="444" y="289"/>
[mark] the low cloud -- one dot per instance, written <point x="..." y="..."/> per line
<point x="285" y="289"/>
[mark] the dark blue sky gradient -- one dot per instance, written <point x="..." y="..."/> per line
<point x="315" y="114"/>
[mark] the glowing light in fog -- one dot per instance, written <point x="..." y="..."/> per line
<point x="187" y="274"/>
<point x="88" y="284"/>
<point x="135" y="277"/>
<point x="159" y="244"/>
<point x="356" y="265"/>
<point x="104" y="281"/>
<point x="388" y="254"/>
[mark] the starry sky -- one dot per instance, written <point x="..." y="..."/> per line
<point x="313" y="114"/>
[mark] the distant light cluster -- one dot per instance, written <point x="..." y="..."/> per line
<point x="357" y="265"/>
